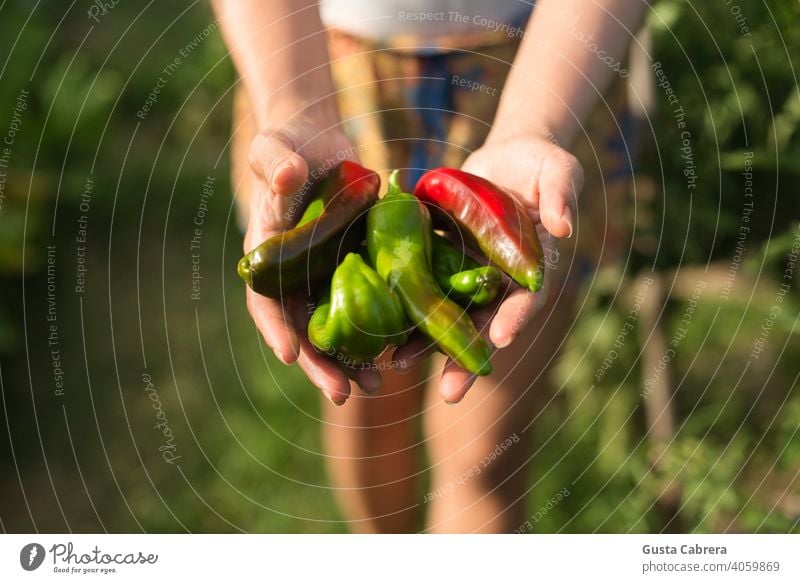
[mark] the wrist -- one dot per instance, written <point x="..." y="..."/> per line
<point x="526" y="124"/>
<point x="533" y="117"/>
<point x="290" y="106"/>
<point x="283" y="92"/>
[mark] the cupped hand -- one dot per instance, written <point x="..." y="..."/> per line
<point x="546" y="179"/>
<point x="281" y="161"/>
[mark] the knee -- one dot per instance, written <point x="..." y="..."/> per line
<point x="487" y="463"/>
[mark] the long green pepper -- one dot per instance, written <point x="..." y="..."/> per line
<point x="399" y="242"/>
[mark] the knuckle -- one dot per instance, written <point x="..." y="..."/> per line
<point x="254" y="153"/>
<point x="576" y="170"/>
<point x="564" y="170"/>
<point x="267" y="150"/>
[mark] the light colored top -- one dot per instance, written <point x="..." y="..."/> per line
<point x="426" y="20"/>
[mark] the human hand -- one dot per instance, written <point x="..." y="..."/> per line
<point x="281" y="161"/>
<point x="546" y="180"/>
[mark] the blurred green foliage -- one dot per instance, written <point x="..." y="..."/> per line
<point x="735" y="453"/>
<point x="245" y="426"/>
<point x="736" y="83"/>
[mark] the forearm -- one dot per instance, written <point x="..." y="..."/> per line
<point x="280" y="53"/>
<point x="571" y="50"/>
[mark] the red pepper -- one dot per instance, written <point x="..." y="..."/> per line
<point x="499" y="225"/>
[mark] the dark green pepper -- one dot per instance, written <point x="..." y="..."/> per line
<point x="359" y="317"/>
<point x="461" y="277"/>
<point x="313" y="210"/>
<point x="308" y="254"/>
<point x="399" y="243"/>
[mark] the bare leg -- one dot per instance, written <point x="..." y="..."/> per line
<point x="480" y="449"/>
<point x="371" y="441"/>
<point x="373" y="454"/>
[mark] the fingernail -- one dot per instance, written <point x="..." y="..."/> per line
<point x="449" y="402"/>
<point x="505" y="342"/>
<point x="279" y="169"/>
<point x="401" y="366"/>
<point x="282" y="358"/>
<point x="370" y="384"/>
<point x="330" y="398"/>
<point x="566" y="216"/>
<point x="461" y="398"/>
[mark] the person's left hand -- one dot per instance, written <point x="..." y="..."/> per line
<point x="546" y="179"/>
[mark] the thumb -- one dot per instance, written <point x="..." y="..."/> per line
<point x="560" y="181"/>
<point x="273" y="158"/>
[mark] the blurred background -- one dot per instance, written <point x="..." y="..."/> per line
<point x="137" y="395"/>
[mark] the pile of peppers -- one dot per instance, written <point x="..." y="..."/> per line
<point x="377" y="270"/>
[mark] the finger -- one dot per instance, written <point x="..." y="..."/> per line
<point x="275" y="326"/>
<point x="513" y="315"/>
<point x="324" y="373"/>
<point x="560" y="181"/>
<point x="274" y="159"/>
<point x="368" y="379"/>
<point x="270" y="214"/>
<point x="455" y="382"/>
<point x="300" y="307"/>
<point x="412" y="352"/>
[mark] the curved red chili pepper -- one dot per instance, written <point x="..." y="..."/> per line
<point x="499" y="225"/>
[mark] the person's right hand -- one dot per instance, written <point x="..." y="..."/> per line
<point x="281" y="160"/>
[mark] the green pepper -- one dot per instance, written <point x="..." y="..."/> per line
<point x="461" y="277"/>
<point x="308" y="254"/>
<point x="359" y="316"/>
<point x="399" y="244"/>
<point x="313" y="210"/>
